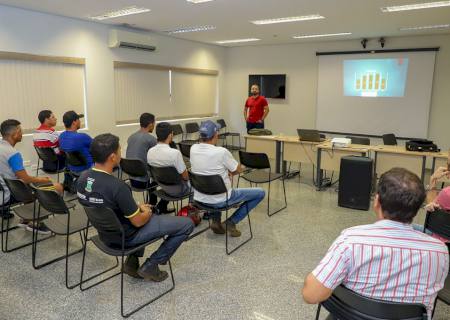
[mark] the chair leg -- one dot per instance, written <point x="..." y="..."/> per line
<point x="37" y="168"/>
<point x="318" y="311"/>
<point x="127" y="314"/>
<point x="96" y="275"/>
<point x="229" y="252"/>
<point x="268" y="201"/>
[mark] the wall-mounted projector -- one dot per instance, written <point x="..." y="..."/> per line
<point x="340" y="142"/>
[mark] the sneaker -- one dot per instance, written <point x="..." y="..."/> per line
<point x="232" y="230"/>
<point x="22" y="223"/>
<point x="217" y="227"/>
<point x="39" y="228"/>
<point x="131" y="267"/>
<point x="150" y="272"/>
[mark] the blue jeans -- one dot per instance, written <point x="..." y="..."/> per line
<point x="177" y="230"/>
<point x="250" y="198"/>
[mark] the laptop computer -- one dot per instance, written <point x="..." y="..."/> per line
<point x="309" y="135"/>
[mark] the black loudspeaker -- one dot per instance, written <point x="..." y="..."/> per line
<point x="355" y="182"/>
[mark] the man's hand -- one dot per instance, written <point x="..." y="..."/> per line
<point x="432" y="206"/>
<point x="260" y="121"/>
<point x="440" y="173"/>
<point x="146" y="208"/>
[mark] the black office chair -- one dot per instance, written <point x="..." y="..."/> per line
<point x="438" y="222"/>
<point x="214" y="185"/>
<point x="185" y="150"/>
<point x="65" y="222"/>
<point x="136" y="168"/>
<point x="348" y="305"/>
<point x="177" y="131"/>
<point x="191" y="128"/>
<point x="105" y="221"/>
<point x="359" y="140"/>
<point x="261" y="174"/>
<point x="225" y="134"/>
<point x="389" y="139"/>
<point x="25" y="208"/>
<point x="47" y="155"/>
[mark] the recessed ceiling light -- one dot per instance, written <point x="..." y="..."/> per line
<point x="237" y="41"/>
<point x="191" y="29"/>
<point x="306" y="36"/>
<point x="437" y="26"/>
<point x="198" y="1"/>
<point x="416" y="6"/>
<point x="120" y="13"/>
<point x="288" y="19"/>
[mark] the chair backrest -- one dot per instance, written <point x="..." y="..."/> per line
<point x="105" y="221"/>
<point x="438" y="222"/>
<point x="222" y="123"/>
<point x="46" y="154"/>
<point x="185" y="149"/>
<point x="20" y="191"/>
<point x="134" y="167"/>
<point x="389" y="139"/>
<point x="359" y="140"/>
<point x="210" y="185"/>
<point x="177" y="129"/>
<point x="76" y="159"/>
<point x="322" y="136"/>
<point x="347" y="304"/>
<point x="50" y="200"/>
<point x="254" y="160"/>
<point x="192" y="127"/>
<point x="167" y="176"/>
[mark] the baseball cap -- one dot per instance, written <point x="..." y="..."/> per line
<point x="70" y="116"/>
<point x="443" y="199"/>
<point x="208" y="129"/>
<point x="163" y="130"/>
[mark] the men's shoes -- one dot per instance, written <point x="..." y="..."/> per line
<point x="150" y="272"/>
<point x="217" y="227"/>
<point x="131" y="267"/>
<point x="232" y="230"/>
<point x="40" y="228"/>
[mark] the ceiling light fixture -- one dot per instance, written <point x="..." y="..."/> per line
<point x="237" y="41"/>
<point x="307" y="36"/>
<point x="119" y="13"/>
<point x="417" y="6"/>
<point x="191" y="29"/>
<point x="288" y="19"/>
<point x="198" y="1"/>
<point x="437" y="26"/>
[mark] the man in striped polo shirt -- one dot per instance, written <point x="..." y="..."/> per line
<point x="386" y="260"/>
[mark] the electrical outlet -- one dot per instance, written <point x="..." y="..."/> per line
<point x="27" y="163"/>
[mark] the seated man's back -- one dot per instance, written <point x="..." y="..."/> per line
<point x="71" y="140"/>
<point x="387" y="260"/>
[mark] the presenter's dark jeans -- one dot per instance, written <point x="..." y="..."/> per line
<point x="177" y="230"/>
<point x="254" y="125"/>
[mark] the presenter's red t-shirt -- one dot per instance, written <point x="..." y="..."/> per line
<point x="255" y="108"/>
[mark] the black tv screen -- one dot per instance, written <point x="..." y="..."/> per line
<point x="271" y="85"/>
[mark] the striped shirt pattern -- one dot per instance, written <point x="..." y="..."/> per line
<point x="386" y="260"/>
<point x="46" y="137"/>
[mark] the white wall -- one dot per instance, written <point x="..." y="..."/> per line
<point x="300" y="63"/>
<point x="44" y="34"/>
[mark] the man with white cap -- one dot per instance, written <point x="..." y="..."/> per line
<point x="208" y="159"/>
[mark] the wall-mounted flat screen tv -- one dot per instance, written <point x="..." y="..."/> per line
<point x="271" y="85"/>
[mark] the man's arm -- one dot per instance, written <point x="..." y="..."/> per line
<point x="245" y="113"/>
<point x="435" y="177"/>
<point x="237" y="171"/>
<point x="314" y="291"/>
<point x="266" y="112"/>
<point x="23" y="175"/>
<point x="141" y="216"/>
<point x="185" y="175"/>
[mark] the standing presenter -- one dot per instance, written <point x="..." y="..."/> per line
<point x="256" y="109"/>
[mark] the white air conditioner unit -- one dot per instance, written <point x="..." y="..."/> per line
<point x="131" y="40"/>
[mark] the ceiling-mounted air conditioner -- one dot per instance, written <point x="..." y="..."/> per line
<point x="131" y="40"/>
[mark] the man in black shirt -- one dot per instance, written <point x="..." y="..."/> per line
<point x="98" y="187"/>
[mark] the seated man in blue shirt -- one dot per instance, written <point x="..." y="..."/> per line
<point x="71" y="140"/>
<point x="12" y="167"/>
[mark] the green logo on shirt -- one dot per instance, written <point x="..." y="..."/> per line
<point x="89" y="184"/>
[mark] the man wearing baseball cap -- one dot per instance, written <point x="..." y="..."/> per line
<point x="71" y="140"/>
<point x="208" y="159"/>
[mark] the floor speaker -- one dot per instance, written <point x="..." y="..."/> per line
<point x="355" y="182"/>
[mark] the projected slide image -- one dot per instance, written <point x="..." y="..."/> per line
<point x="375" y="77"/>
